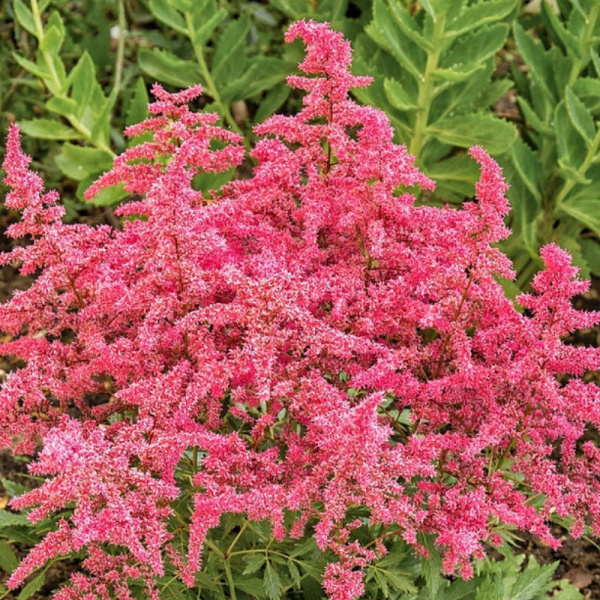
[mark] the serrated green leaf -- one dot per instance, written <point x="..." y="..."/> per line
<point x="263" y="74"/>
<point x="46" y="129"/>
<point x="533" y="582"/>
<point x="532" y="118"/>
<point x="479" y="14"/>
<point x="529" y="168"/>
<point x="431" y="568"/>
<point x="580" y="117"/>
<point x="229" y="53"/>
<point x="585" y="210"/>
<point x="252" y="586"/>
<point x="13" y="488"/>
<point x="457" y="174"/>
<point x="562" y="35"/>
<point x="397" y="95"/>
<point x="203" y="33"/>
<point x="24" y="16"/>
<point x="82" y="81"/>
<point x="78" y="162"/>
<point x="571" y="145"/>
<point x="407" y="26"/>
<point x="471" y="50"/>
<point x="492" y="588"/>
<point x="587" y="90"/>
<point x="137" y="110"/>
<point x="271" y="102"/>
<point x="35" y="585"/>
<point x="272" y="582"/>
<point x="254" y="563"/>
<point x="66" y="107"/>
<point x="465" y="131"/>
<point x="455" y="74"/>
<point x="295" y="573"/>
<point x="535" y="57"/>
<point x="171" y="588"/>
<point x="288" y="7"/>
<point x="100" y="131"/>
<point x="168" y="68"/>
<point x="8" y="559"/>
<point x="168" y="15"/>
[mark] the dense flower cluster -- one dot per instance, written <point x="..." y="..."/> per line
<point x="281" y="328"/>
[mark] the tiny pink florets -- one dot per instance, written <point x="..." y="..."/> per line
<point x="309" y="305"/>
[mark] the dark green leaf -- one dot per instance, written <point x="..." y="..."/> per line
<point x="254" y="563"/>
<point x="252" y="586"/>
<point x="168" y="15"/>
<point x="35" y="585"/>
<point x="229" y="52"/>
<point x="590" y="250"/>
<point x="272" y="101"/>
<point x="491" y="589"/>
<point x="272" y="583"/>
<point x="571" y="145"/>
<point x="137" y="110"/>
<point x="203" y="33"/>
<point x="533" y="581"/>
<point x="13" y="489"/>
<point x="8" y="559"/>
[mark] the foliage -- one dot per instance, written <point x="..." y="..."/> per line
<point x="555" y="168"/>
<point x="308" y="351"/>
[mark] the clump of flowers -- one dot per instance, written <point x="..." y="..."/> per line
<point x="311" y="339"/>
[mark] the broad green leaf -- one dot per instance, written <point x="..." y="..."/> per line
<point x="465" y="131"/>
<point x="168" y="68"/>
<point x="13" y="488"/>
<point x="46" y="129"/>
<point x="264" y="73"/>
<point x="78" y="162"/>
<point x="479" y="14"/>
<point x="587" y="90"/>
<point x="82" y="81"/>
<point x="455" y="74"/>
<point x="24" y="16"/>
<point x="35" y="585"/>
<point x="580" y="117"/>
<point x="585" y="210"/>
<point x="66" y="107"/>
<point x="8" y="559"/>
<point x="100" y="132"/>
<point x="471" y="50"/>
<point x="457" y="174"/>
<point x="52" y="41"/>
<point x="168" y="15"/>
<point x="291" y="8"/>
<point x="272" y="583"/>
<point x="397" y="95"/>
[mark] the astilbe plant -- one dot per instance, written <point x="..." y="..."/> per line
<point x="278" y="334"/>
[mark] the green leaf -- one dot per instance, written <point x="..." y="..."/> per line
<point x="590" y="249"/>
<point x="35" y="585"/>
<point x="13" y="489"/>
<point x="532" y="118"/>
<point x="100" y="133"/>
<point x="533" y="581"/>
<point x="472" y="49"/>
<point x="168" y="68"/>
<point x="8" y="559"/>
<point x="565" y="37"/>
<point x="263" y="74"/>
<point x="580" y="117"/>
<point x="78" y="162"/>
<point x="24" y="17"/>
<point x="479" y="14"/>
<point x="52" y="41"/>
<point x="34" y="68"/>
<point x="571" y="145"/>
<point x="529" y="168"/>
<point x="491" y="589"/>
<point x="587" y="90"/>
<point x="272" y="583"/>
<point x="110" y="196"/>
<point x="82" y="81"/>
<point x="407" y="26"/>
<point x="254" y="563"/>
<point x="397" y="95"/>
<point x="137" y="110"/>
<point x="203" y="33"/>
<point x="171" y="588"/>
<point x="46" y="129"/>
<point x="585" y="210"/>
<point x="229" y="52"/>
<point x="271" y="102"/>
<point x="252" y="586"/>
<point x="535" y="57"/>
<point x="464" y="131"/>
<point x="168" y="15"/>
<point x="431" y="568"/>
<point x="65" y="107"/>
